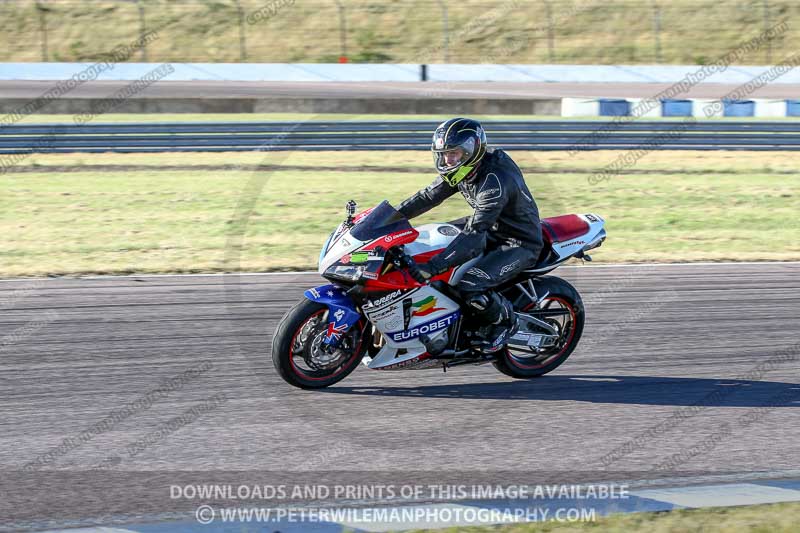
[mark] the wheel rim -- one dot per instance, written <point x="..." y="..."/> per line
<point x="307" y="359"/>
<point x="565" y="324"/>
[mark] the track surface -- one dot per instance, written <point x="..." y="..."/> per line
<point x="658" y="339"/>
<point x="394" y="90"/>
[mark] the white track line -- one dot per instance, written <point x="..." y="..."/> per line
<point x="720" y="495"/>
<point x="682" y="481"/>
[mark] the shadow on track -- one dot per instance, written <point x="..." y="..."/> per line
<point x="644" y="390"/>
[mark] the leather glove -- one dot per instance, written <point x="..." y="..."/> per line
<point x="425" y="272"/>
<point x="432" y="268"/>
<point x="436" y="264"/>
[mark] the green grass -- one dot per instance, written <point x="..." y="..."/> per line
<point x="83" y="216"/>
<point x="480" y="31"/>
<point x="772" y="518"/>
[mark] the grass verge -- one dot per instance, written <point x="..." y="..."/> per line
<point x="519" y="32"/>
<point x="78" y="214"/>
<point x="771" y="518"/>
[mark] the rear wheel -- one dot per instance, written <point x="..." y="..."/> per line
<point x="298" y="351"/>
<point x="562" y="308"/>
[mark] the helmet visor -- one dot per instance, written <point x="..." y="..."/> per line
<point x="451" y="158"/>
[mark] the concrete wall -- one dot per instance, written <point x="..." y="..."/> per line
<point x="474" y="106"/>
<point x="734" y="74"/>
<point x="366" y="73"/>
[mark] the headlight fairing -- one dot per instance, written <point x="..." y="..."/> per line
<point x="349" y="273"/>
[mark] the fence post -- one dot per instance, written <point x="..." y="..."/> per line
<point x="142" y="30"/>
<point x="548" y="10"/>
<point x="766" y="27"/>
<point x="657" y="29"/>
<point x="342" y="32"/>
<point x="42" y="11"/>
<point x="242" y="37"/>
<point x="445" y="31"/>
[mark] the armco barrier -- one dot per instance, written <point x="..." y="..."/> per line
<point x="397" y="135"/>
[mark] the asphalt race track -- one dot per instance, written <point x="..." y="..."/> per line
<point x="695" y="367"/>
<point x="392" y="90"/>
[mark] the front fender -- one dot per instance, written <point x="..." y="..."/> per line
<point x="342" y="314"/>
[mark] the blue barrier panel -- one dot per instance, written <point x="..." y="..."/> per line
<point x="676" y="108"/>
<point x="614" y="108"/>
<point x="738" y="108"/>
<point x="793" y="108"/>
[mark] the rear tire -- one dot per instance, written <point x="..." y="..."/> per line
<point x="295" y="348"/>
<point x="563" y="294"/>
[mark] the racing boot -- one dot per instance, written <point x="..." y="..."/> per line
<point x="499" y="318"/>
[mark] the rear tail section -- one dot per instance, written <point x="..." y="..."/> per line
<point x="568" y="236"/>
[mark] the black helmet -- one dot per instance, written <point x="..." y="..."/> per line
<point x="458" y="146"/>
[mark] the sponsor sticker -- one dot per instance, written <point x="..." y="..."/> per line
<point x="384" y="300"/>
<point x="334" y="332"/>
<point x="425" y="307"/>
<point x="382" y="313"/>
<point x="394" y="237"/>
<point x="394" y="322"/>
<point x="428" y="327"/>
<point x="359" y="257"/>
<point x="406" y="312"/>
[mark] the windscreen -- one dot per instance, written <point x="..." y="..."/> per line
<point x="381" y="221"/>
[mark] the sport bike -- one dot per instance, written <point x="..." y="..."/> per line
<point x="379" y="310"/>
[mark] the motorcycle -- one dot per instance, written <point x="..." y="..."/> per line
<point x="378" y="309"/>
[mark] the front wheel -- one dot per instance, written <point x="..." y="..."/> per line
<point x="297" y="348"/>
<point x="563" y="309"/>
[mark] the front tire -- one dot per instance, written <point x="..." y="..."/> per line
<point x="563" y="297"/>
<point x="297" y="353"/>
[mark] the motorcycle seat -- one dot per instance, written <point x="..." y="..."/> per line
<point x="563" y="228"/>
<point x="559" y="229"/>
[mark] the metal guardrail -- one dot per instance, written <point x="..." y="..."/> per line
<point x="396" y="135"/>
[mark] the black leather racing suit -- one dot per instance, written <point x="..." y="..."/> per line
<point x="505" y="226"/>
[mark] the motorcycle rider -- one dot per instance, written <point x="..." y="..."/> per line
<point x="504" y="226"/>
